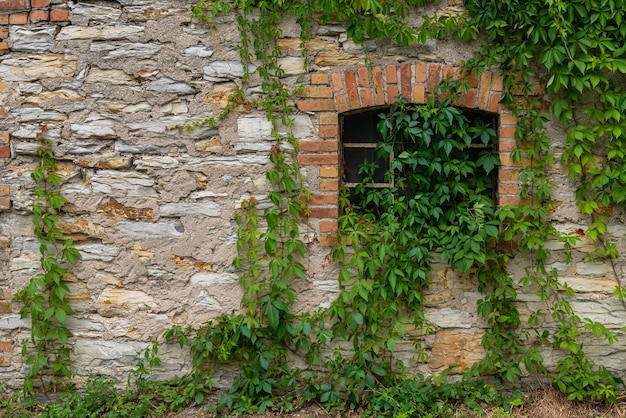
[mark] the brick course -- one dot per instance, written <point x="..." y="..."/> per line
<point x="359" y="88"/>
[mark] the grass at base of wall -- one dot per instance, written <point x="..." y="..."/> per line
<point x="102" y="397"/>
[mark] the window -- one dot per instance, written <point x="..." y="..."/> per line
<point x="463" y="151"/>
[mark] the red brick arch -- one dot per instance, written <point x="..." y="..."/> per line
<point x="331" y="94"/>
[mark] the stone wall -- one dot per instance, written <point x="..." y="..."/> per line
<point x="151" y="206"/>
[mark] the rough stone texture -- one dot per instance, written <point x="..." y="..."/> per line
<point x="152" y="196"/>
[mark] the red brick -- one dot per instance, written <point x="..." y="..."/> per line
<point x="420" y="73"/>
<point x="508" y="188"/>
<point x="324" y="199"/>
<point x="337" y="81"/>
<point x="14" y="4"/>
<point x="4" y="19"/>
<point x="18" y="18"/>
<point x="321" y="213"/>
<point x="319" y="159"/>
<point x="470" y="98"/>
<point x="433" y="76"/>
<point x="5" y="307"/>
<point x="39" y="3"/>
<point x="328" y="226"/>
<point x="506" y="146"/>
<point x="507" y="161"/>
<point x="5" y="152"/>
<point x="494" y="102"/>
<point x="342" y="103"/>
<point x="506" y="132"/>
<point x="364" y="77"/>
<point x="507" y="119"/>
<point x="59" y="15"/>
<point x="328" y="131"/>
<point x="328" y="240"/>
<point x="39" y="15"/>
<point x="392" y="93"/>
<point x="390" y="72"/>
<point x="316" y="92"/>
<point x="4" y="47"/>
<point x="7" y="346"/>
<point x="418" y="94"/>
<point x="379" y="86"/>
<point x="319" y="79"/>
<point x="4" y="191"/>
<point x="5" y="204"/>
<point x="366" y="98"/>
<point x="508" y="175"/>
<point x="4" y="33"/>
<point x="485" y="89"/>
<point x="331" y="172"/>
<point x="471" y="78"/>
<point x="328" y="185"/>
<point x="353" y="92"/>
<point x="448" y="72"/>
<point x="509" y="201"/>
<point x="319" y="146"/>
<point x="497" y="82"/>
<point x="316" y="105"/>
<point x="329" y="119"/>
<point x="4" y="138"/>
<point x="405" y="81"/>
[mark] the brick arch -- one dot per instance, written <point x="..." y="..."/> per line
<point x="330" y="94"/>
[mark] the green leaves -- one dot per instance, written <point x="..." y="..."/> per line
<point x="44" y="298"/>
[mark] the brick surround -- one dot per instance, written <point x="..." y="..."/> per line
<point x="332" y="94"/>
<point x="25" y="12"/>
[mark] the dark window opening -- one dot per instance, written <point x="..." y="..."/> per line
<point x="360" y="137"/>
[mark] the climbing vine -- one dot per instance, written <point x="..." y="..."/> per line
<point x="44" y="299"/>
<point x="573" y="50"/>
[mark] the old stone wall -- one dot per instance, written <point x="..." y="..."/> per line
<point x="151" y="205"/>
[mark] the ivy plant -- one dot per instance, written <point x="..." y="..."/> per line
<point x="44" y="299"/>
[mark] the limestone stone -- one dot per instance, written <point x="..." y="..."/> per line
<point x="225" y="70"/>
<point x="114" y="77"/>
<point x="85" y="13"/>
<point x="292" y="65"/>
<point x="254" y="128"/>
<point x="301" y="128"/>
<point x="61" y="95"/>
<point x="450" y="318"/>
<point x="330" y="30"/>
<point x="102" y="353"/>
<point x="169" y="126"/>
<point x="84" y="147"/>
<point x="97" y="252"/>
<point x="11" y="322"/>
<point x="335" y="59"/>
<point x="198" y="51"/>
<point x="211" y="279"/>
<point x="114" y="208"/>
<point x="121" y="50"/>
<point x="99" y="33"/>
<point x="130" y="300"/>
<point x="37" y="67"/>
<point x="117" y="183"/>
<point x="37" y="114"/>
<point x="167" y="85"/>
<point x="452" y="346"/>
<point x="149" y="230"/>
<point x="140" y="149"/>
<point x="112" y="106"/>
<point x="31" y="39"/>
<point x="205" y="208"/>
<point x="105" y="162"/>
<point x="156" y="162"/>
